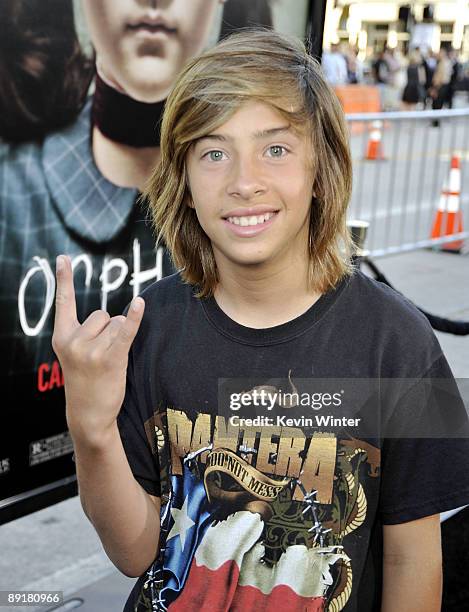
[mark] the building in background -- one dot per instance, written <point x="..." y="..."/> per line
<point x="372" y="25"/>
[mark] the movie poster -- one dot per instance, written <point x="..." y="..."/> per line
<point x="82" y="90"/>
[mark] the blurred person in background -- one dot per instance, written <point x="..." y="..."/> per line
<point x="455" y="79"/>
<point x="354" y="65"/>
<point x="414" y="91"/>
<point x="334" y="66"/>
<point x="380" y="68"/>
<point x="383" y="75"/>
<point x="440" y="87"/>
<point x="396" y="78"/>
<point x="394" y="65"/>
<point x="429" y="61"/>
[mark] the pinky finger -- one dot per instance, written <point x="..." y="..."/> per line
<point x="128" y="330"/>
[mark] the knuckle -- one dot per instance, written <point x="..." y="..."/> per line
<point x="100" y="315"/>
<point x="97" y="318"/>
<point x="60" y="298"/>
<point x="125" y="334"/>
<point x="108" y="360"/>
<point x="96" y="357"/>
<point x="74" y="350"/>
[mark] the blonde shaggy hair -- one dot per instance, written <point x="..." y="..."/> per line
<point x="253" y="64"/>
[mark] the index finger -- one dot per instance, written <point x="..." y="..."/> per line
<point x="65" y="305"/>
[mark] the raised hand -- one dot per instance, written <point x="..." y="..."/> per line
<point x="93" y="356"/>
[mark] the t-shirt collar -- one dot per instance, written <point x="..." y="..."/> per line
<point x="279" y="333"/>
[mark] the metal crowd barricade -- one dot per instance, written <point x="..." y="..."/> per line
<point x="399" y="194"/>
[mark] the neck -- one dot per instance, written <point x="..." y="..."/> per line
<point x="126" y="134"/>
<point x="121" y="164"/>
<point x="123" y="119"/>
<point x="265" y="296"/>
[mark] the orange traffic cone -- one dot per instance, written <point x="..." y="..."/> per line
<point x="448" y="218"/>
<point x="374" y="149"/>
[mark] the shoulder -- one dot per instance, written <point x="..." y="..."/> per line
<point x="19" y="158"/>
<point x="25" y="165"/>
<point x="387" y="318"/>
<point x="381" y="301"/>
<point x="168" y="291"/>
<point x="166" y="303"/>
<point x="22" y="178"/>
<point x="165" y="299"/>
<point x="63" y="149"/>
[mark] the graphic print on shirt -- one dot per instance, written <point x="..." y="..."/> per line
<point x="254" y="517"/>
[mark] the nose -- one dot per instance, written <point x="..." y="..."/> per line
<point x="246" y="181"/>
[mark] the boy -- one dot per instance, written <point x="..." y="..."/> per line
<point x="250" y="197"/>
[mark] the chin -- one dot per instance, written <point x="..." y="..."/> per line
<point x="250" y="260"/>
<point x="146" y="88"/>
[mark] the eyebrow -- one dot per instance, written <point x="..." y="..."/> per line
<point x="256" y="135"/>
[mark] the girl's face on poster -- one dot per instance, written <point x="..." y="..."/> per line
<point x="141" y="45"/>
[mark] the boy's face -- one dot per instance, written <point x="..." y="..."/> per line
<point x="251" y="166"/>
<point x="141" y="48"/>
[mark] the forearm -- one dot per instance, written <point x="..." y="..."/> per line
<point x="123" y="514"/>
<point x="413" y="585"/>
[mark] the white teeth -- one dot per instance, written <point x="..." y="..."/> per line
<point x="252" y="220"/>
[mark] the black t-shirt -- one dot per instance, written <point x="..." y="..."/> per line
<point x="259" y="515"/>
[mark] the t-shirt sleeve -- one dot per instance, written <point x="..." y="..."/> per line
<point x="425" y="457"/>
<point x="136" y="425"/>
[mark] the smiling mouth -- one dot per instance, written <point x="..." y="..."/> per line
<point x="251" y="220"/>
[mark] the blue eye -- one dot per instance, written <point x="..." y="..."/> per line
<point x="277" y="150"/>
<point x="214" y="155"/>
